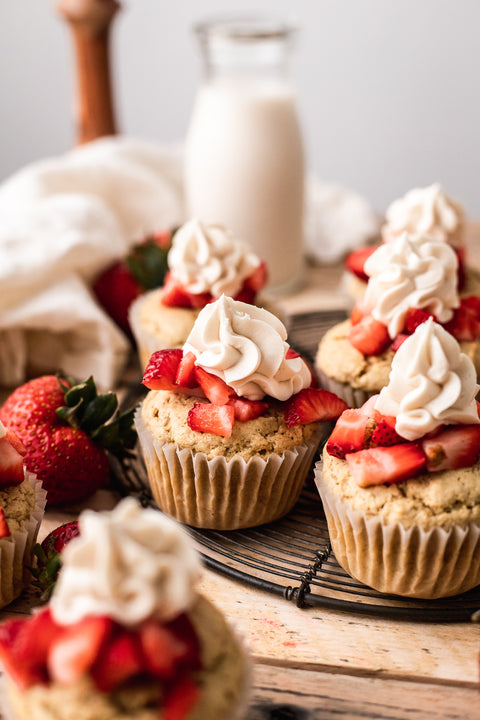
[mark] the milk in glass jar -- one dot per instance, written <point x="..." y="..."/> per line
<point x="244" y="165"/>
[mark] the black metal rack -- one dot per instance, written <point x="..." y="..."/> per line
<point x="292" y="557"/>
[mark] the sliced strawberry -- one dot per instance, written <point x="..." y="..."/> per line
<point x="11" y="463"/>
<point x="182" y="628"/>
<point x="369" y="336"/>
<point x="415" y="317"/>
<point x="161" y="371"/>
<point x="119" y="660"/>
<point x="384" y="433"/>
<point x="348" y="435"/>
<point x="355" y="261"/>
<point x="24" y="647"/>
<point x="76" y="648"/>
<point x="248" y="409"/>
<point x="360" y="310"/>
<point x="15" y="442"/>
<point x="399" y="340"/>
<point x="258" y="279"/>
<point x="291" y="354"/>
<point x="245" y="295"/>
<point x="4" y="529"/>
<point x="210" y="418"/>
<point x="180" y="699"/>
<point x="173" y="293"/>
<point x="386" y="465"/>
<point x="452" y="448"/>
<point x="185" y="376"/>
<point x="312" y="405"/>
<point x="162" y="649"/>
<point x="215" y="389"/>
<point x="465" y="324"/>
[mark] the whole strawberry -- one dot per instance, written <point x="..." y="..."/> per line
<point x="144" y="268"/>
<point x="67" y="430"/>
<point x="49" y="559"/>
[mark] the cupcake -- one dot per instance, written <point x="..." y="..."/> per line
<point x="232" y="422"/>
<point x="422" y="211"/>
<point x="411" y="278"/>
<point x="205" y="261"/>
<point x="400" y="481"/>
<point x="22" y="504"/>
<point x="125" y="636"/>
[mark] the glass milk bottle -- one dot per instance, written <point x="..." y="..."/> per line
<point x="244" y="157"/>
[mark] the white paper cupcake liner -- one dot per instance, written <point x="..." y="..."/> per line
<point x="354" y="397"/>
<point x="223" y="494"/>
<point x="16" y="550"/>
<point x="390" y="558"/>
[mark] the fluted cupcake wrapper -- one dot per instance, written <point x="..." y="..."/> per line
<point x="354" y="397"/>
<point x="224" y="494"/>
<point x="412" y="562"/>
<point x="16" y="550"/>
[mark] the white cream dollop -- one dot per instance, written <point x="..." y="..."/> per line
<point x="431" y="383"/>
<point x="424" y="211"/>
<point x="411" y="271"/>
<point x="209" y="259"/>
<point x="128" y="564"/>
<point x="245" y="346"/>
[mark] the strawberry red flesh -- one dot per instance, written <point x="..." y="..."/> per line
<point x="185" y="376"/>
<point x="76" y="648"/>
<point x="465" y="324"/>
<point x="355" y="261"/>
<point x="214" y="388"/>
<point x="415" y="317"/>
<point x="348" y="435"/>
<point x="454" y="447"/>
<point x="161" y="371"/>
<point x="312" y="405"/>
<point x="4" y="529"/>
<point x="11" y="463"/>
<point x="248" y="409"/>
<point x="386" y="465"/>
<point x="119" y="660"/>
<point x="210" y="418"/>
<point x="258" y="279"/>
<point x="180" y="699"/>
<point x="369" y="336"/>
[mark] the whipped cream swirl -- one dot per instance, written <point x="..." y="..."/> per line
<point x="431" y="383"/>
<point x="128" y="564"/>
<point x="411" y="271"/>
<point x="424" y="211"/>
<point x="246" y="346"/>
<point x="209" y="259"/>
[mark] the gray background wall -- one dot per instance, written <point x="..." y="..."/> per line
<point x="388" y="90"/>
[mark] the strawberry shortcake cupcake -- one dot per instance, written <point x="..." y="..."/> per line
<point x="232" y="421"/>
<point x="400" y="479"/>
<point x="126" y="635"/>
<point x="205" y="262"/>
<point x="421" y="211"/>
<point x="22" y="504"/>
<point x="411" y="278"/>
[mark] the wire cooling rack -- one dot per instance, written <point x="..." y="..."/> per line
<point x="292" y="557"/>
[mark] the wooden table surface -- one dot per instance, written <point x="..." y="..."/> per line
<point x="316" y="663"/>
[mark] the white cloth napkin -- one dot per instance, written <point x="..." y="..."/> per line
<point x="64" y="219"/>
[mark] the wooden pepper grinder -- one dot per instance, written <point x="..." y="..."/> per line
<point x="90" y="22"/>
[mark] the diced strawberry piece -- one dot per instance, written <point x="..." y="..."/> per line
<point x="369" y="336"/>
<point x="4" y="529"/>
<point x="183" y="629"/>
<point x="162" y="649"/>
<point x="386" y="465"/>
<point x="415" y="317"/>
<point x="185" y="376"/>
<point x="312" y="405"/>
<point x="161" y="371"/>
<point x="11" y="463"/>
<point x="173" y="293"/>
<point x="452" y="448"/>
<point x="348" y="435"/>
<point x="15" y="442"/>
<point x="199" y="300"/>
<point x="460" y="252"/>
<point x="291" y="354"/>
<point x="465" y="324"/>
<point x="245" y="295"/>
<point x="163" y="238"/>
<point x="384" y="433"/>
<point x="24" y="646"/>
<point x="119" y="660"/>
<point x="258" y="279"/>
<point x="248" y="409"/>
<point x="180" y="699"/>
<point x="210" y="418"/>
<point x="76" y="648"/>
<point x="399" y="340"/>
<point x="355" y="261"/>
<point x="215" y="389"/>
<point x="360" y="310"/>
